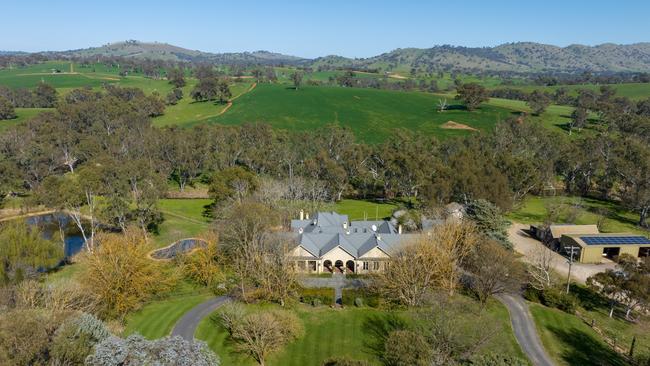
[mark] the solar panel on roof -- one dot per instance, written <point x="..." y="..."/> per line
<point x="615" y="240"/>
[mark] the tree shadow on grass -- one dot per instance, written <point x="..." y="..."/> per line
<point x="378" y="327"/>
<point x="585" y="349"/>
<point x="590" y="300"/>
<point x="230" y="346"/>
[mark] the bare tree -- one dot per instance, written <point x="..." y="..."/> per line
<point x="494" y="271"/>
<point x="259" y="334"/>
<point x="430" y="261"/>
<point x="541" y="268"/>
<point x="442" y="104"/>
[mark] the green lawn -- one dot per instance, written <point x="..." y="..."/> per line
<point x="360" y="209"/>
<point x="157" y="319"/>
<point x="328" y="333"/>
<point x="534" y="210"/>
<point x="183" y="218"/>
<point x="372" y="114"/>
<point x="596" y="308"/>
<point x="569" y="341"/>
<point x="347" y="333"/>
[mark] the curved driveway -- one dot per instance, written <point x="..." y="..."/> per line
<point x="186" y="326"/>
<point x="520" y="318"/>
<point x="525" y="330"/>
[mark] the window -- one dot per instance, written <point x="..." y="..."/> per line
<point x="375" y="266"/>
<point x="302" y="265"/>
<point x="365" y="266"/>
<point x="312" y="266"/>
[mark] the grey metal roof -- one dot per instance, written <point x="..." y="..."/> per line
<point x="327" y="231"/>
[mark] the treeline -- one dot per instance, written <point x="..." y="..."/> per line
<point x="591" y="78"/>
<point x="43" y="96"/>
<point x="112" y="129"/>
<point x="586" y="98"/>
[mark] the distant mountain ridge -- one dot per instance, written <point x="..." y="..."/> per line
<point x="521" y="57"/>
<point x="167" y="52"/>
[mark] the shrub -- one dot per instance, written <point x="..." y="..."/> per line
<point x="552" y="297"/>
<point x="407" y="348"/>
<point x="322" y="295"/>
<point x="75" y="339"/>
<point x="365" y="295"/>
<point x="25" y="336"/>
<point x="533" y="295"/>
<point x="136" y="350"/>
<point x="493" y="359"/>
<point x="344" y="362"/>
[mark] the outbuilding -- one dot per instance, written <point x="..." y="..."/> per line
<point x="592" y="248"/>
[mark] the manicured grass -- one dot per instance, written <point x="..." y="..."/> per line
<point x="534" y="210"/>
<point x="361" y="209"/>
<point x="569" y="341"/>
<point x="343" y="333"/>
<point x="328" y="333"/>
<point x="157" y="319"/>
<point x="183" y="218"/>
<point x="371" y="114"/>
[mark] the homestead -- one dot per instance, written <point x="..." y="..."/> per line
<point x="331" y="243"/>
<point x="594" y="247"/>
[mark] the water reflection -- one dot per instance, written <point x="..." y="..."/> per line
<point x="59" y="225"/>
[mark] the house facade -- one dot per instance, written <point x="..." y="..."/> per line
<point x="330" y="242"/>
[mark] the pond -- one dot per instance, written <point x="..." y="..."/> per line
<point x="52" y="225"/>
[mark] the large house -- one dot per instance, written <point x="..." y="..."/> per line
<point x="330" y="242"/>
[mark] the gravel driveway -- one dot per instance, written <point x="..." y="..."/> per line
<point x="527" y="246"/>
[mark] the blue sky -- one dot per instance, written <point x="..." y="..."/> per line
<point x="316" y="28"/>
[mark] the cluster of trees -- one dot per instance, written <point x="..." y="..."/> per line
<point x="209" y="87"/>
<point x="591" y="78"/>
<point x="65" y="322"/>
<point x="627" y="285"/>
<point x="453" y="254"/>
<point x="43" y="96"/>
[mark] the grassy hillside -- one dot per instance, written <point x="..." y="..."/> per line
<point x="372" y="114"/>
<point x="630" y="90"/>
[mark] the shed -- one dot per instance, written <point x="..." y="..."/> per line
<point x="595" y="247"/>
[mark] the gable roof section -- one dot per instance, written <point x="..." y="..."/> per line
<point x="558" y="230"/>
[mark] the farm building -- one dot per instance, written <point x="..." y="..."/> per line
<point x="331" y="243"/>
<point x="551" y="234"/>
<point x="594" y="247"/>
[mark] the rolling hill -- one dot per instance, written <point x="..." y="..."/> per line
<point x="517" y="58"/>
<point x="164" y="51"/>
<point x="522" y="57"/>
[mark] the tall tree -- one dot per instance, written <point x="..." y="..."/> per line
<point x="45" y="96"/>
<point x="176" y="77"/>
<point x="494" y="271"/>
<point x="538" y="101"/>
<point x="6" y="109"/>
<point x="472" y="94"/>
<point x="296" y="79"/>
